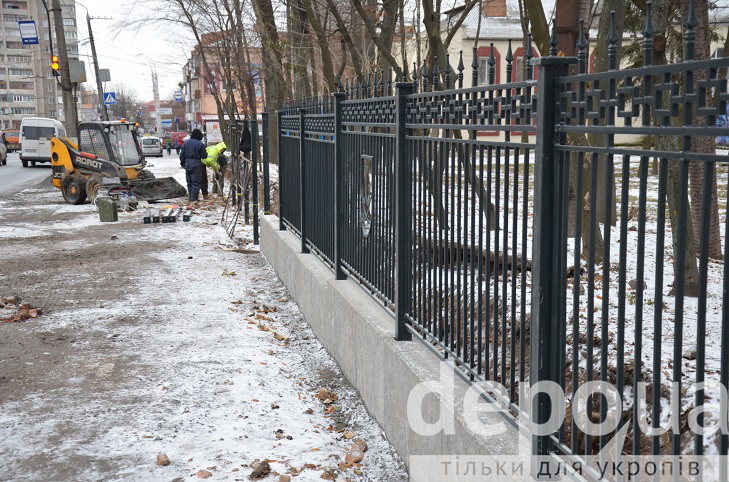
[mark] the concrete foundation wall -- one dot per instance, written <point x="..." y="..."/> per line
<point x="360" y="335"/>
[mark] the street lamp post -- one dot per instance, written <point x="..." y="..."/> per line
<point x="155" y="91"/>
<point x="103" y="112"/>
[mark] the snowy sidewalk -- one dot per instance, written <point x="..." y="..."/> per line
<point x="169" y="345"/>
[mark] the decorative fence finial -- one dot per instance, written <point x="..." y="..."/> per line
<point x="509" y="66"/>
<point x="553" y="39"/>
<point x="528" y="56"/>
<point x="415" y="77"/>
<point x="448" y="72"/>
<point x="689" y="37"/>
<point x="492" y="66"/>
<point x="613" y="44"/>
<point x="474" y="68"/>
<point x="461" y="68"/>
<point x="582" y="48"/>
<point x="648" y="32"/>
<point x="435" y="73"/>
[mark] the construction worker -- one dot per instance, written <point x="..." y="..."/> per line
<point x="215" y="163"/>
<point x="191" y="160"/>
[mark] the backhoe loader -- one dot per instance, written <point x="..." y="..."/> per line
<point x="108" y="157"/>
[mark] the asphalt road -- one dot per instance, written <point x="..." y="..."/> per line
<point x="14" y="177"/>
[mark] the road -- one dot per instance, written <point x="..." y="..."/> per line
<point x="14" y="177"/>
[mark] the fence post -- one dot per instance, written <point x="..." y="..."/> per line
<point x="266" y="178"/>
<point x="254" y="176"/>
<point x="339" y="208"/>
<point x="302" y="185"/>
<point x="403" y="216"/>
<point x="281" y="225"/>
<point x="546" y="250"/>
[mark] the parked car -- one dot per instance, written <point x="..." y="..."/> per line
<point x="35" y="139"/>
<point x="151" y="146"/>
<point x="3" y="151"/>
<point x="13" y="138"/>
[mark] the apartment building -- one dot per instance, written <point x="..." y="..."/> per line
<point x="27" y="86"/>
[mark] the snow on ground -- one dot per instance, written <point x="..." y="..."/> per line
<point x="211" y="363"/>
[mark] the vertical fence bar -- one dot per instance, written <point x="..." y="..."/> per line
<point x="266" y="177"/>
<point x="254" y="176"/>
<point x="546" y="248"/>
<point x="403" y="199"/>
<point x="302" y="184"/>
<point x="281" y="225"/>
<point x="339" y="203"/>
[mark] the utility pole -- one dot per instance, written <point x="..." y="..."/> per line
<point x="158" y="116"/>
<point x="99" y="88"/>
<point x="69" y="102"/>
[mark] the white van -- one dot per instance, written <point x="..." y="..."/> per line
<point x="151" y="146"/>
<point x="35" y="139"/>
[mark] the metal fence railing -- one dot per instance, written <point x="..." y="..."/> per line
<point x="242" y="190"/>
<point x="514" y="229"/>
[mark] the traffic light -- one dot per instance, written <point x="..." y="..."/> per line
<point x="54" y="65"/>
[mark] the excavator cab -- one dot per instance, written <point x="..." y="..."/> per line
<point x="107" y="155"/>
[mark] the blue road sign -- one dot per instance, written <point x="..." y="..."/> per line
<point x="141" y="114"/>
<point x="28" y="32"/>
<point x="177" y="119"/>
<point x="178" y="95"/>
<point x="109" y="98"/>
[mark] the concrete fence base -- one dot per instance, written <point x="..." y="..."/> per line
<point x="360" y="335"/>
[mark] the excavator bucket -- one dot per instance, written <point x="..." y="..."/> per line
<point x="157" y="189"/>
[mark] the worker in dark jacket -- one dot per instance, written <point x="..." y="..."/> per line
<point x="191" y="156"/>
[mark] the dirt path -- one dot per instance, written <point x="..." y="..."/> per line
<point x="155" y="340"/>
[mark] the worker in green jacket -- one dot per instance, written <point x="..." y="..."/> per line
<point x="168" y="145"/>
<point x="216" y="162"/>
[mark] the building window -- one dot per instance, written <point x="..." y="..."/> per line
<point x="50" y="88"/>
<point x="483" y="71"/>
<point x="25" y="72"/>
<point x="519" y="69"/>
<point x="51" y="101"/>
<point x="23" y="110"/>
<point x="69" y="22"/>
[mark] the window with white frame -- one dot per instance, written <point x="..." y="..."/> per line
<point x="483" y="71"/>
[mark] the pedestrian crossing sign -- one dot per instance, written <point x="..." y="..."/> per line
<point x="109" y="98"/>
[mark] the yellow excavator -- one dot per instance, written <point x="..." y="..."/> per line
<point x="107" y="157"/>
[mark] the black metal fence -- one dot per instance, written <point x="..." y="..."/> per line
<point x="474" y="215"/>
<point x="242" y="195"/>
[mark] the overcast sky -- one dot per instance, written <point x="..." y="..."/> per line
<point x="168" y="48"/>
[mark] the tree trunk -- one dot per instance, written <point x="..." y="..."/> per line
<point x="660" y="12"/>
<point x="273" y="72"/>
<point x="606" y="194"/>
<point x="703" y="144"/>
